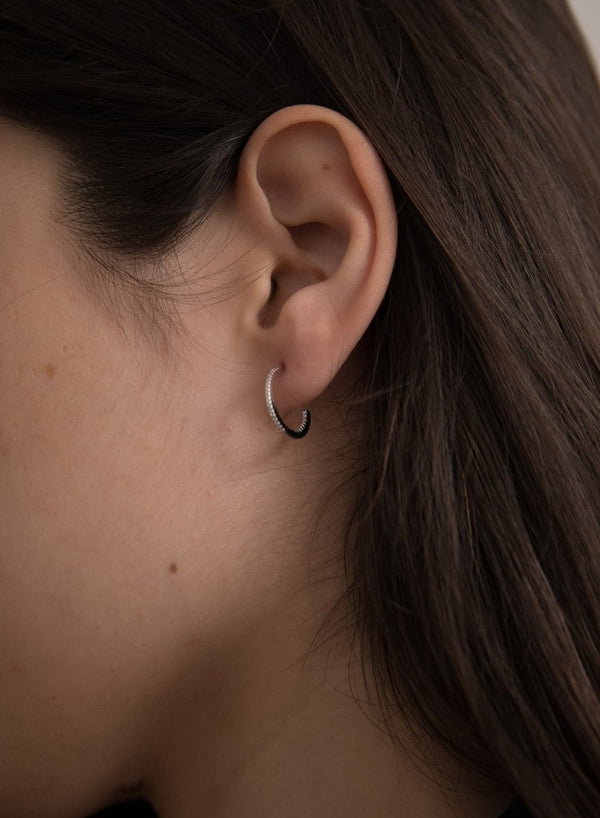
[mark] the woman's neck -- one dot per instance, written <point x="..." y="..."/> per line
<point x="280" y="732"/>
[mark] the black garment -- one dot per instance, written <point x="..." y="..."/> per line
<point x="130" y="809"/>
<point x="141" y="809"/>
<point x="516" y="810"/>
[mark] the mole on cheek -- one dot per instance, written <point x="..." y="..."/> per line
<point x="173" y="568"/>
<point x="50" y="369"/>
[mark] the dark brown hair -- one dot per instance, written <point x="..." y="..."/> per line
<point x="474" y="561"/>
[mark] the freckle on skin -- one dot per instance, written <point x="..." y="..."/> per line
<point x="16" y="667"/>
<point x="50" y="369"/>
<point x="173" y="567"/>
<point x="326" y="166"/>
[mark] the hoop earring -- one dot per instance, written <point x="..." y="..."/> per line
<point x="276" y="417"/>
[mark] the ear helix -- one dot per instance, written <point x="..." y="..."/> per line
<point x="276" y="417"/>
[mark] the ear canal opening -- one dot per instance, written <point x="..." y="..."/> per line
<point x="285" y="281"/>
<point x="263" y="315"/>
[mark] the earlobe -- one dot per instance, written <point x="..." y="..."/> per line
<point x="317" y="197"/>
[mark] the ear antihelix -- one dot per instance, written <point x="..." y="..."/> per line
<point x="276" y="417"/>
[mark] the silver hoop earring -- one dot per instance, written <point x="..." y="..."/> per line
<point x="276" y="417"/>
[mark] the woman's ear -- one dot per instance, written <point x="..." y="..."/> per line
<point x="315" y="194"/>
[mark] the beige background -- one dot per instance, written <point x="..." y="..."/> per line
<point x="588" y="14"/>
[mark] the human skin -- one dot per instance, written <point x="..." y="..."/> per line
<point x="161" y="576"/>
